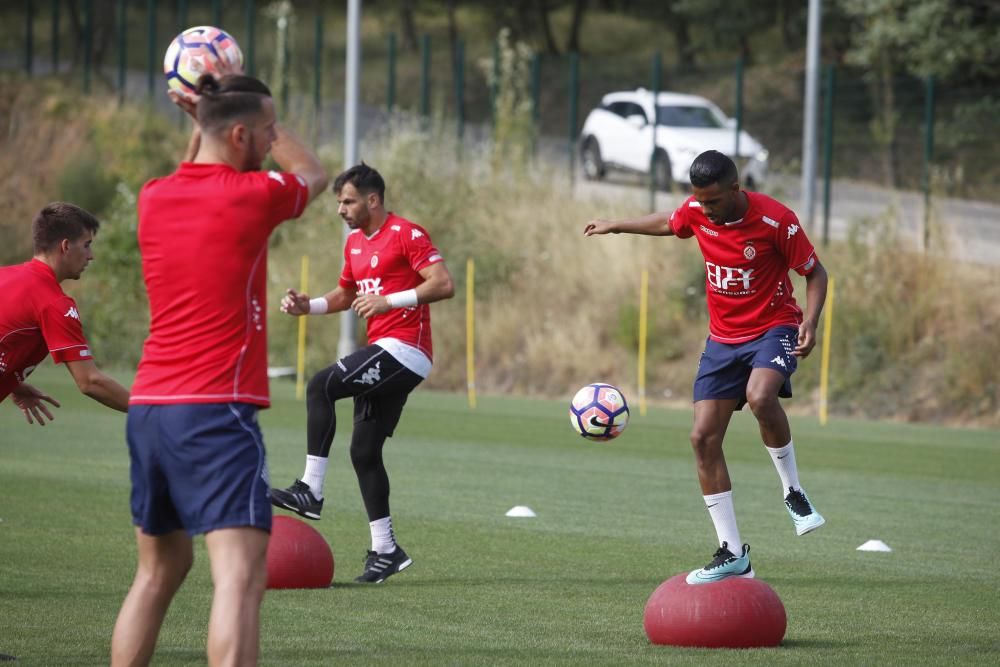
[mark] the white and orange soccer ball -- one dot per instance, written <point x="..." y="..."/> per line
<point x="599" y="412"/>
<point x="196" y="51"/>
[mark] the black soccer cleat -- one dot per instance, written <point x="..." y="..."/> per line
<point x="298" y="498"/>
<point x="379" y="567"/>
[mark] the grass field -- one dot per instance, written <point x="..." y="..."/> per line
<point x="568" y="587"/>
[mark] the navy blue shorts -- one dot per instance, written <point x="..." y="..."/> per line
<point x="724" y="370"/>
<point x="197" y="467"/>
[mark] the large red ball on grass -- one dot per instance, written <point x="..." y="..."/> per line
<point x="297" y="556"/>
<point x="732" y="613"/>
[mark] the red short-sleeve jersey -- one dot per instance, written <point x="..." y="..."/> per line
<point x="203" y="235"/>
<point x="390" y="261"/>
<point x="747" y="264"/>
<point x="36" y="319"/>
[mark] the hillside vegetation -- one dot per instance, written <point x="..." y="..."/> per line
<point x="914" y="336"/>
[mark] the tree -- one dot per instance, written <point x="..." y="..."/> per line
<point x="573" y="43"/>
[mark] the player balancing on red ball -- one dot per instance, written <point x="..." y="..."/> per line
<point x="757" y="333"/>
<point x="392" y="272"/>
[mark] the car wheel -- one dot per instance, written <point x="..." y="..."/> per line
<point x="593" y="165"/>
<point x="662" y="173"/>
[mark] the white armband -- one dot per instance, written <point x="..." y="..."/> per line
<point x="318" y="306"/>
<point x="403" y="299"/>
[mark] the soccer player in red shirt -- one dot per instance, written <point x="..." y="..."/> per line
<point x="757" y="333"/>
<point x="197" y="456"/>
<point x="37" y="318"/>
<point x="392" y="272"/>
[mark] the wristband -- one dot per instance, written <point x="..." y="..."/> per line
<point x="318" y="306"/>
<point x="403" y="299"/>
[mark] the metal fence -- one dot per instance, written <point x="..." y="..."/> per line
<point x="901" y="133"/>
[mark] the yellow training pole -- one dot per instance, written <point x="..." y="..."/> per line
<point x="824" y="366"/>
<point x="300" y="365"/>
<point x="643" y="325"/>
<point x="470" y="330"/>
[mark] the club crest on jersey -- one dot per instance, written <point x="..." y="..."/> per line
<point x="374" y="261"/>
<point x="749" y="251"/>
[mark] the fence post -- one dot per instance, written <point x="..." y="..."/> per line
<point x="495" y="83"/>
<point x="460" y="88"/>
<point x="425" y="76"/>
<point x="250" y="9"/>
<point x="55" y="36"/>
<point x="317" y="68"/>
<point x="88" y="42"/>
<point x="217" y="13"/>
<point x="390" y="98"/>
<point x="29" y="36"/>
<point x="536" y="94"/>
<point x="182" y="16"/>
<point x="928" y="155"/>
<point x="120" y="22"/>
<point x="655" y="86"/>
<point x="574" y="91"/>
<point x="827" y="151"/>
<point x="150" y="46"/>
<point x="740" y="64"/>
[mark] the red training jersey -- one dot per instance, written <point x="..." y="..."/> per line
<point x="390" y="261"/>
<point x="36" y="319"/>
<point x="203" y="235"/>
<point x="747" y="264"/>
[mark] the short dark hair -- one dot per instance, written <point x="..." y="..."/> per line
<point x="225" y="100"/>
<point x="60" y="220"/>
<point x="713" y="167"/>
<point x="364" y="178"/>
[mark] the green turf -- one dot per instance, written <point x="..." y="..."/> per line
<point x="568" y="587"/>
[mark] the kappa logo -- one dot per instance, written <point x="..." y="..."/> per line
<point x="415" y="234"/>
<point x="791" y="230"/>
<point x="276" y="176"/>
<point x="778" y="360"/>
<point x="372" y="375"/>
<point x="72" y="313"/>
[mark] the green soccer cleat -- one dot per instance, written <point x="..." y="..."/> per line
<point x="724" y="564"/>
<point x="805" y="518"/>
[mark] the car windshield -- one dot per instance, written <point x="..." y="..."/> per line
<point x="687" y="116"/>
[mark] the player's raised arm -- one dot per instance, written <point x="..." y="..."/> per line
<point x="293" y="156"/>
<point x="654" y="224"/>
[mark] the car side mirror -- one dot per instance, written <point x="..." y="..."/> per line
<point x="636" y="121"/>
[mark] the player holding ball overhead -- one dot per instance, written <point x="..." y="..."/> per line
<point x="392" y="272"/>
<point x="757" y="334"/>
<point x="198" y="464"/>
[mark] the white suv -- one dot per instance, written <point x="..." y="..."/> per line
<point x="619" y="134"/>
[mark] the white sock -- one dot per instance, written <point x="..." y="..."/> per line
<point x="784" y="462"/>
<point x="720" y="507"/>
<point x="315" y="474"/>
<point x="383" y="541"/>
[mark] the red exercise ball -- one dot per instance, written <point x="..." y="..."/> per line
<point x="297" y="556"/>
<point x="732" y="613"/>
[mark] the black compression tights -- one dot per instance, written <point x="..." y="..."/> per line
<point x="366" y="441"/>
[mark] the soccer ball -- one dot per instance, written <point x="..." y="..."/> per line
<point x="599" y="412"/>
<point x="196" y="51"/>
